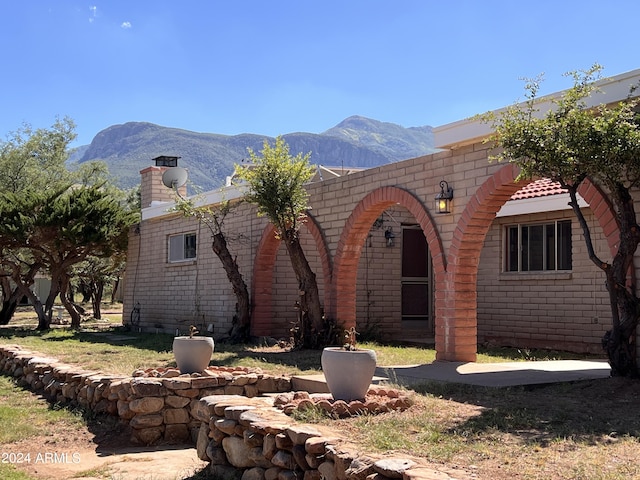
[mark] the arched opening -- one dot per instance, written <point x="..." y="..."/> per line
<point x="274" y="287"/>
<point x="354" y="298"/>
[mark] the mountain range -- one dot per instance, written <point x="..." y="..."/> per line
<point x="355" y="142"/>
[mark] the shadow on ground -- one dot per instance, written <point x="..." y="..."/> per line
<point x="590" y="411"/>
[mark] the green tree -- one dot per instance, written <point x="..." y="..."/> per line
<point x="213" y="218"/>
<point x="94" y="274"/>
<point x="30" y="159"/>
<point x="53" y="219"/>
<point x="55" y="230"/>
<point x="571" y="143"/>
<point x="276" y="182"/>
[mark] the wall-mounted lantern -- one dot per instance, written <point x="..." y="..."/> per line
<point x="443" y="199"/>
<point x="390" y="237"/>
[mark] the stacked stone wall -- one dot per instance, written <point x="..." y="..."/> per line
<point x="249" y="439"/>
<point x="229" y="414"/>
<point x="156" y="404"/>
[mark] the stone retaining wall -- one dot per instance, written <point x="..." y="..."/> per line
<point x="156" y="404"/>
<point x="234" y="426"/>
<point x="249" y="439"/>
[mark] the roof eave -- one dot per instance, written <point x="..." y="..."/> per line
<point x="473" y="130"/>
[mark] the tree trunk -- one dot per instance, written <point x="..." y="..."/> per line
<point x="96" y="299"/>
<point x="619" y="342"/>
<point x="76" y="318"/>
<point x="23" y="281"/>
<point x="44" y="318"/>
<point x="242" y="319"/>
<point x="114" y="291"/>
<point x="85" y="291"/>
<point x="310" y="308"/>
<point x="10" y="300"/>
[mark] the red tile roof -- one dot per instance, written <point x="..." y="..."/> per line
<point x="539" y="188"/>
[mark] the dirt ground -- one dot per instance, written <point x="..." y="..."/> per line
<point x="100" y="452"/>
<point x="600" y="439"/>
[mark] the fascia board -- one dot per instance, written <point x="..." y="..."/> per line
<point x="473" y="130"/>
<point x="215" y="197"/>
<point x="549" y="203"/>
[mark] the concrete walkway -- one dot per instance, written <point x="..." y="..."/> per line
<point x="506" y="374"/>
<point x="496" y="374"/>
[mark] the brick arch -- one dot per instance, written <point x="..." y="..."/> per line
<point x="456" y="318"/>
<point x="353" y="237"/>
<point x="604" y="212"/>
<point x="262" y="284"/>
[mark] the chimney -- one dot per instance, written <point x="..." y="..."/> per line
<point x="151" y="187"/>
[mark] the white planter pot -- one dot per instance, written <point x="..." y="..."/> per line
<point x="348" y="372"/>
<point x="192" y="353"/>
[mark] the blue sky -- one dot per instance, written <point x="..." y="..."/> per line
<point x="275" y="67"/>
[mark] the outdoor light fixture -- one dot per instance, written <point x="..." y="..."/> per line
<point x="443" y="199"/>
<point x="390" y="237"/>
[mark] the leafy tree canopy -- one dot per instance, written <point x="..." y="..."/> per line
<point x="574" y="141"/>
<point x="36" y="158"/>
<point x="276" y="184"/>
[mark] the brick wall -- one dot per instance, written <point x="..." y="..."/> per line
<point x="358" y="277"/>
<point x="565" y="310"/>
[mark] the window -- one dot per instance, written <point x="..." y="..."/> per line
<point x="538" y="247"/>
<point x="182" y="247"/>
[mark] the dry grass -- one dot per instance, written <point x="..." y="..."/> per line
<point x="583" y="430"/>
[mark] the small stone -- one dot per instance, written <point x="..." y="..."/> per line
<point x="175" y="401"/>
<point x="425" y="473"/>
<point x="284" y="460"/>
<point x="256" y="456"/>
<point x="272" y="473"/>
<point x="144" y="421"/>
<point x="177" y="383"/>
<point x="147" y="405"/>
<point x="146" y="436"/>
<point x="225" y="425"/>
<point x="312" y="475"/>
<point x="299" y="434"/>
<point x="176" y="415"/>
<point x="216" y="455"/>
<point x="316" y="445"/>
<point x="360" y="468"/>
<point x="283" y="441"/>
<point x="393" y="467"/>
<point x="225" y="472"/>
<point x="237" y="452"/>
<point x="269" y="448"/>
<point x="253" y="439"/>
<point x="299" y="455"/>
<point x="255" y="473"/>
<point x="327" y="470"/>
<point x="178" y="433"/>
<point x="283" y="399"/>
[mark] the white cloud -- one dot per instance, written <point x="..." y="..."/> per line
<point x="125" y="25"/>
<point x="94" y="13"/>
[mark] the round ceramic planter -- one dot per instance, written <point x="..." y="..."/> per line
<point x="192" y="354"/>
<point x="348" y="372"/>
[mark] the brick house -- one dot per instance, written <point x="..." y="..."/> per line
<point x="506" y="266"/>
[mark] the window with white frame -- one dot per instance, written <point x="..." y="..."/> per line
<point x="182" y="247"/>
<point x="538" y="247"/>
